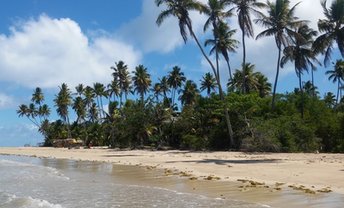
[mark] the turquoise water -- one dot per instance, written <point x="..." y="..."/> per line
<point x="48" y="183"/>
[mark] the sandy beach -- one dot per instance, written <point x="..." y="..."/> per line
<point x="310" y="173"/>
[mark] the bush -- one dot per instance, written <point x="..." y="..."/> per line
<point x="193" y="142"/>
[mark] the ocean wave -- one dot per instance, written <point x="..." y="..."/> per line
<point x="13" y="201"/>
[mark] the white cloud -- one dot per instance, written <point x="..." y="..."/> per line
<point x="47" y="52"/>
<point x="144" y="31"/>
<point x="6" y="101"/>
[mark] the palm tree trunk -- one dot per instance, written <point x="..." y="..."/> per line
<point x="229" y="71"/>
<point x="243" y="63"/>
<point x="301" y="90"/>
<point x="338" y="88"/>
<point x="228" y="122"/>
<point x="276" y="79"/>
<point x="312" y="73"/>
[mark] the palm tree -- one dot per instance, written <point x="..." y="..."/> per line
<point x="208" y="82"/>
<point x="175" y="80"/>
<point x="142" y="81"/>
<point x="180" y="9"/>
<point x="62" y="101"/>
<point x="280" y="23"/>
<point x="37" y="96"/>
<point x="224" y="43"/>
<point x="121" y="74"/>
<point x="189" y="93"/>
<point x="156" y="89"/>
<point x="337" y="75"/>
<point x="244" y="8"/>
<point x="113" y="89"/>
<point x="330" y="99"/>
<point x="263" y="85"/>
<point x="24" y="110"/>
<point x="332" y="29"/>
<point x="251" y="83"/>
<point x="79" y="89"/>
<point x="216" y="14"/>
<point x="99" y="91"/>
<point x="300" y="52"/>
<point x="80" y="109"/>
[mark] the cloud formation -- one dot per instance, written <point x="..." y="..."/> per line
<point x="6" y="101"/>
<point x="46" y="52"/>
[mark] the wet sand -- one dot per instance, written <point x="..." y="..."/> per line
<point x="308" y="180"/>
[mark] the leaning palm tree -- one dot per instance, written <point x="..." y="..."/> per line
<point x="175" y="80"/>
<point x="280" y="23"/>
<point x="62" y="101"/>
<point x="141" y="81"/>
<point x="244" y="8"/>
<point x="189" y="93"/>
<point x="337" y="75"/>
<point x="224" y="43"/>
<point x="300" y="52"/>
<point x="332" y="30"/>
<point x="208" y="82"/>
<point x="180" y="9"/>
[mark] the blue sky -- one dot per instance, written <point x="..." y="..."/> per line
<point x="47" y="42"/>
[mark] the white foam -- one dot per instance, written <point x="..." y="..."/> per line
<point x="26" y="202"/>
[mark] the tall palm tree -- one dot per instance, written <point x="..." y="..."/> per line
<point x="121" y="74"/>
<point x="175" y="80"/>
<point x="244" y="8"/>
<point x="100" y="92"/>
<point x="337" y="75"/>
<point x="300" y="52"/>
<point x="113" y="89"/>
<point x="165" y="88"/>
<point x="215" y="9"/>
<point x="62" y="101"/>
<point x="37" y="96"/>
<point x="142" y="81"/>
<point x="180" y="9"/>
<point x="208" y="82"/>
<point x="332" y="30"/>
<point x="79" y="89"/>
<point x="189" y="93"/>
<point x="79" y="107"/>
<point x="224" y="43"/>
<point x="280" y="23"/>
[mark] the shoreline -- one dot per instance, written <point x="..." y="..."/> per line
<point x="304" y="172"/>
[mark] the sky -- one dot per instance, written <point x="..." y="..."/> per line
<point x="44" y="43"/>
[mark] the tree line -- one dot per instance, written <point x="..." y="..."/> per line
<point x="246" y="115"/>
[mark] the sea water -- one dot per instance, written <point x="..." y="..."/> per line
<point x="27" y="182"/>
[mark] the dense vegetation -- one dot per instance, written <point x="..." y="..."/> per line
<point x="246" y="116"/>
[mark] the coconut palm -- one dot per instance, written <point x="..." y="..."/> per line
<point x="43" y="112"/>
<point x="244" y="9"/>
<point x="208" y="82"/>
<point x="141" y="81"/>
<point x="215" y="12"/>
<point x="300" y="52"/>
<point x="280" y="23"/>
<point x="175" y="80"/>
<point x="332" y="30"/>
<point x="121" y="74"/>
<point x="180" y="9"/>
<point x="113" y="89"/>
<point x="100" y="92"/>
<point x="330" y="99"/>
<point x="37" y="96"/>
<point x="24" y="110"/>
<point x="337" y="75"/>
<point x="189" y="93"/>
<point x="251" y="83"/>
<point x="79" y="89"/>
<point x="156" y="89"/>
<point x="79" y="107"/>
<point x="224" y="43"/>
<point x="263" y="85"/>
<point x="62" y="101"/>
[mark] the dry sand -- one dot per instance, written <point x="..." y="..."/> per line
<point x="310" y="173"/>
